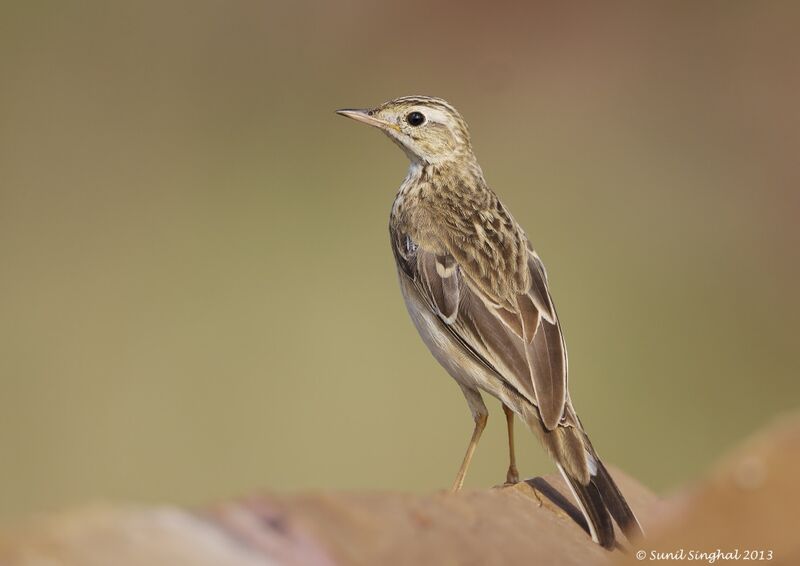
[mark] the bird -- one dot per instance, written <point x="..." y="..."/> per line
<point x="479" y="297"/>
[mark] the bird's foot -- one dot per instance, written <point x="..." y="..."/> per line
<point x="512" y="476"/>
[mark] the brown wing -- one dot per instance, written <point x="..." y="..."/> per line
<point x="549" y="361"/>
<point x="520" y="340"/>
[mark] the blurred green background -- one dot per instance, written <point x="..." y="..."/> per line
<point x="198" y="298"/>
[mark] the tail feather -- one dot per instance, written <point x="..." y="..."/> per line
<point x="615" y="502"/>
<point x="593" y="487"/>
<point x="593" y="508"/>
<point x="591" y="484"/>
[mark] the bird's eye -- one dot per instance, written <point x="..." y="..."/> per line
<point x="415" y="118"/>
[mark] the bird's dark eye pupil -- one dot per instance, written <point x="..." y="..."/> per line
<point x="415" y="118"/>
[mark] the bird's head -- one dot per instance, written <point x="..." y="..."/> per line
<point x="428" y="129"/>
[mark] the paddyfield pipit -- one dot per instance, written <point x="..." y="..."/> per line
<point x="477" y="293"/>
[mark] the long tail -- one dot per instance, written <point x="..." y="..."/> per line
<point x="599" y="500"/>
<point x="594" y="489"/>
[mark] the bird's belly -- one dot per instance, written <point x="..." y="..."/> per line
<point x="461" y="365"/>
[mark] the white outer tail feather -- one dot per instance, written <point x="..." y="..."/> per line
<point x="592" y="530"/>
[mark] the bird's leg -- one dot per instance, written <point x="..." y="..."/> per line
<point x="512" y="476"/>
<point x="480" y="424"/>
<point x="480" y="415"/>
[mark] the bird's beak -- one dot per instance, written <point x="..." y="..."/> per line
<point x="365" y="117"/>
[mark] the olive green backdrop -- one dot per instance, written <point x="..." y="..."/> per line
<point x="197" y="296"/>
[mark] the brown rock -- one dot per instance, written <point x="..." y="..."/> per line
<point x="513" y="525"/>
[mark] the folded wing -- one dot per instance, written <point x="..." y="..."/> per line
<point x="520" y="340"/>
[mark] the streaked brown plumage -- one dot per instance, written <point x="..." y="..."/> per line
<point x="478" y="295"/>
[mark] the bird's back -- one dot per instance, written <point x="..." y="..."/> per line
<point x="450" y="209"/>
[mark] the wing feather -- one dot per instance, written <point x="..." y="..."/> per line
<point x="538" y="292"/>
<point x="439" y="279"/>
<point x="524" y="346"/>
<point x="548" y="366"/>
